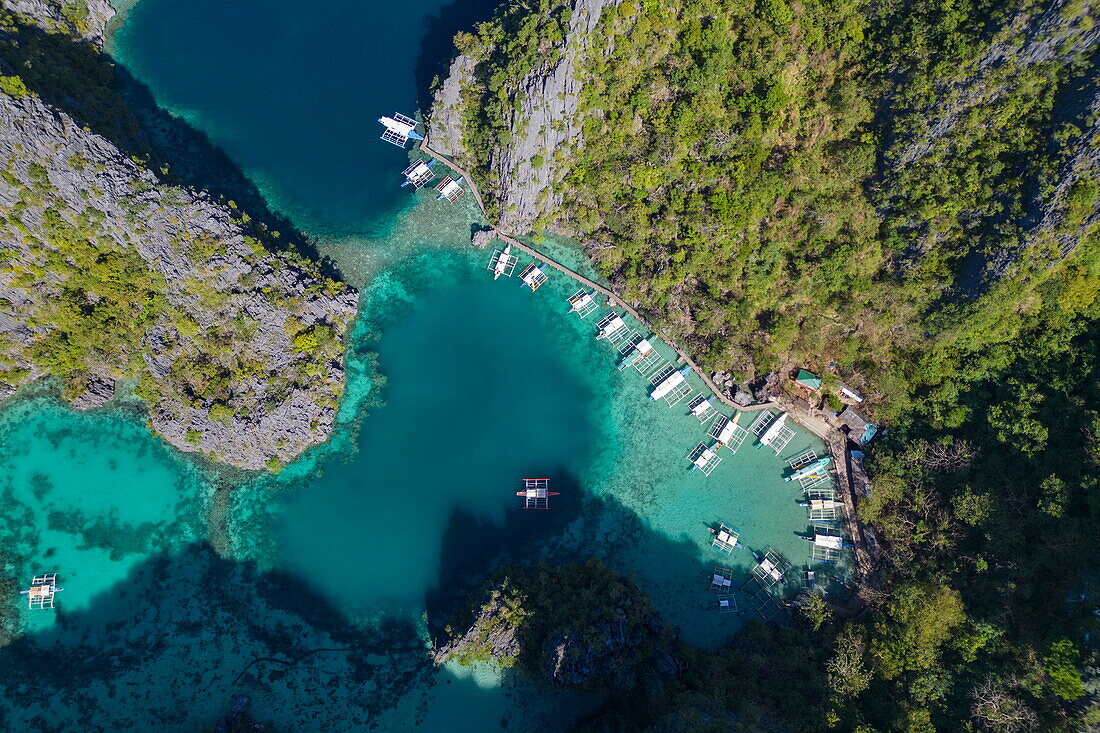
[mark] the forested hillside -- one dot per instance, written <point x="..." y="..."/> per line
<point x="906" y="192"/>
<point x="892" y="187"/>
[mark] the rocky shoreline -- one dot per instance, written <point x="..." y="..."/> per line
<point x="109" y="273"/>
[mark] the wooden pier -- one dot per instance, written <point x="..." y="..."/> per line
<point x="613" y="300"/>
<point x="836" y="442"/>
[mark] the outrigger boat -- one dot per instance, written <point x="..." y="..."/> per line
<point x="704" y="459"/>
<point x="725" y="435"/>
<point x="812" y="470"/>
<point x="725" y="538"/>
<point x="399" y="129"/>
<point x="533" y="276"/>
<point x="503" y="262"/>
<point x="582" y="303"/>
<point x="772" y="432"/>
<point x="669" y="383"/>
<point x="42" y="591"/>
<point x="536" y="494"/>
<point x="419" y="173"/>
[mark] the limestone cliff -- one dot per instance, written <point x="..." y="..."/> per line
<point x="541" y="125"/>
<point x="86" y="19"/>
<point x="110" y="273"/>
<point x="579" y="625"/>
<point x="107" y="274"/>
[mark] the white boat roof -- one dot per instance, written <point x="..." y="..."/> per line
<point x="450" y="187"/>
<point x="614" y="324"/>
<point x="532" y="274"/>
<point x="670" y="382"/>
<point x="830" y="541"/>
<point x="397" y="126"/>
<point x="701" y="407"/>
<point x="643" y="346"/>
<point x="582" y="299"/>
<point x="727" y="431"/>
<point x="704" y="458"/>
<point x="769" y="567"/>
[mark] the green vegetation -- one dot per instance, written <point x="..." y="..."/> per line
<point x="13" y="86"/>
<point x="763" y="180"/>
<point x="579" y="625"/>
<point x="114" y="284"/>
<point x="908" y="192"/>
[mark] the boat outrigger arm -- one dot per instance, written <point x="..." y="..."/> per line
<point x="399" y="129"/>
<point x="771" y="433"/>
<point x="813" y="470"/>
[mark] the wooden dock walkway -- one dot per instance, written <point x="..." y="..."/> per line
<point x="613" y="300"/>
<point x="835" y="442"/>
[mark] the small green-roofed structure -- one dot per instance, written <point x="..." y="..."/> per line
<point x="807" y="380"/>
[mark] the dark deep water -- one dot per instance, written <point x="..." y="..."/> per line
<point x="292" y="91"/>
<point x="307" y="591"/>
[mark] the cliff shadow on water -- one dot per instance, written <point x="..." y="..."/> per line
<point x="85" y="83"/>
<point x="437" y="49"/>
<point x="577" y="527"/>
<point x="182" y="634"/>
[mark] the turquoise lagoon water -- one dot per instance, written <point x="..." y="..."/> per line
<point x="307" y="591"/>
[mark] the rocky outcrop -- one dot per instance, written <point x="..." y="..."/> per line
<point x="579" y="625"/>
<point x="492" y="632"/>
<point x="542" y="126"/>
<point x="107" y="274"/>
<point x="85" y="19"/>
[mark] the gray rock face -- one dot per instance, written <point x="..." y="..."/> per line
<point x="237" y="351"/>
<point x="85" y="19"/>
<point x="493" y="633"/>
<point x="482" y="239"/>
<point x="543" y="126"/>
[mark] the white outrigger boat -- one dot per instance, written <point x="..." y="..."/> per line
<point x="822" y="510"/>
<point x="812" y="470"/>
<point x="727" y="432"/>
<point x="42" y="591"/>
<point x="582" y="303"/>
<point x="671" y="385"/>
<point x="533" y="276"/>
<point x="503" y="262"/>
<point x="704" y="459"/>
<point x="701" y="409"/>
<point x="643" y="357"/>
<point x="726" y="538"/>
<point x="611" y="323"/>
<point x="450" y="190"/>
<point x="419" y="173"/>
<point x="826" y="547"/>
<point x="399" y="129"/>
<point x="771" y="435"/>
